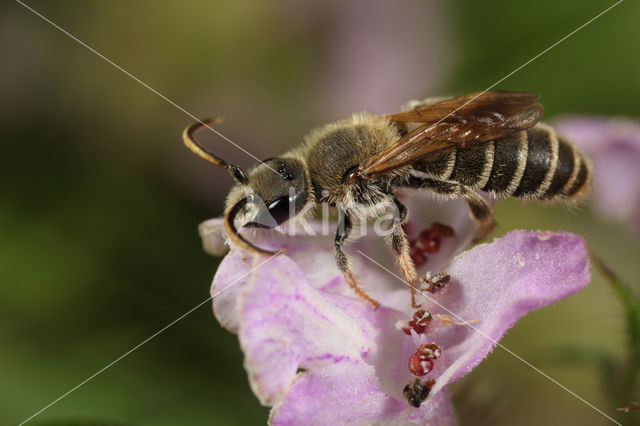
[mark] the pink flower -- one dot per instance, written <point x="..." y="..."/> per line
<point x="318" y="354"/>
<point x="614" y="147"/>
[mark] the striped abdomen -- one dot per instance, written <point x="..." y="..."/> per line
<point x="533" y="164"/>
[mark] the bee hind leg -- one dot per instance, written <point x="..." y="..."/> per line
<point x="344" y="229"/>
<point x="481" y="214"/>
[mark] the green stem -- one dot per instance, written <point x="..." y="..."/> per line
<point x="631" y="305"/>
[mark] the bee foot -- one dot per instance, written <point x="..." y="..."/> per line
<point x="361" y="293"/>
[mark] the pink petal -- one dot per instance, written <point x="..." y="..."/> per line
<point x="593" y="134"/>
<point x="614" y="148"/>
<point x="617" y="181"/>
<point x="498" y="283"/>
<point x="213" y="236"/>
<point x="348" y="393"/>
<point x="230" y="280"/>
<point x="287" y="324"/>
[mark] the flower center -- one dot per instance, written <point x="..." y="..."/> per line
<point x="428" y="242"/>
<point x="421" y="362"/>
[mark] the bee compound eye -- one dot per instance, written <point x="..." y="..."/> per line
<point x="279" y="209"/>
<point x="276" y="213"/>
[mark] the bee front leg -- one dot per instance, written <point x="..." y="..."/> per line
<point x="399" y="243"/>
<point x="344" y="229"/>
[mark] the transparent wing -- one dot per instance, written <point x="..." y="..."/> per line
<point x="455" y="122"/>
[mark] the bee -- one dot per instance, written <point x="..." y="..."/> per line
<point x="490" y="141"/>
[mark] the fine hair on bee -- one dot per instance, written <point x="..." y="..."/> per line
<point x="491" y="141"/>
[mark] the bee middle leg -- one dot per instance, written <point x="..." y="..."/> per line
<point x="344" y="229"/>
<point x="479" y="208"/>
<point x="399" y="243"/>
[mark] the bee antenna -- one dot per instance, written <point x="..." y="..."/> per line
<point x="230" y="227"/>
<point x="187" y="136"/>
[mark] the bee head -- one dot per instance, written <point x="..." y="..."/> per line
<point x="274" y="192"/>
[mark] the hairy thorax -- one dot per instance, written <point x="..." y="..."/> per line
<point x="333" y="151"/>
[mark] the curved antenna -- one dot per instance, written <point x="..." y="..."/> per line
<point x="187" y="136"/>
<point x="239" y="239"/>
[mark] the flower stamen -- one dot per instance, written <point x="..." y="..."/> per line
<point x="447" y="321"/>
<point x="416" y="392"/>
<point x="419" y="323"/>
<point x="430" y="350"/>
<point x="420" y="365"/>
<point x="428" y="242"/>
<point x="433" y="283"/>
<point x="422" y="317"/>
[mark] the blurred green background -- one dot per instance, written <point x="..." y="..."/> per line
<point x="99" y="199"/>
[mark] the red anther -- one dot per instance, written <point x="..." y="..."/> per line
<point x="419" y="365"/>
<point x="417" y="256"/>
<point x="419" y="323"/>
<point x="412" y="326"/>
<point x="422" y="317"/>
<point x="415" y="326"/>
<point x="430" y="241"/>
<point x="430" y="350"/>
<point x="441" y="230"/>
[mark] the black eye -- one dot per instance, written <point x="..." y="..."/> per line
<point x="279" y="210"/>
<point x="276" y="213"/>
